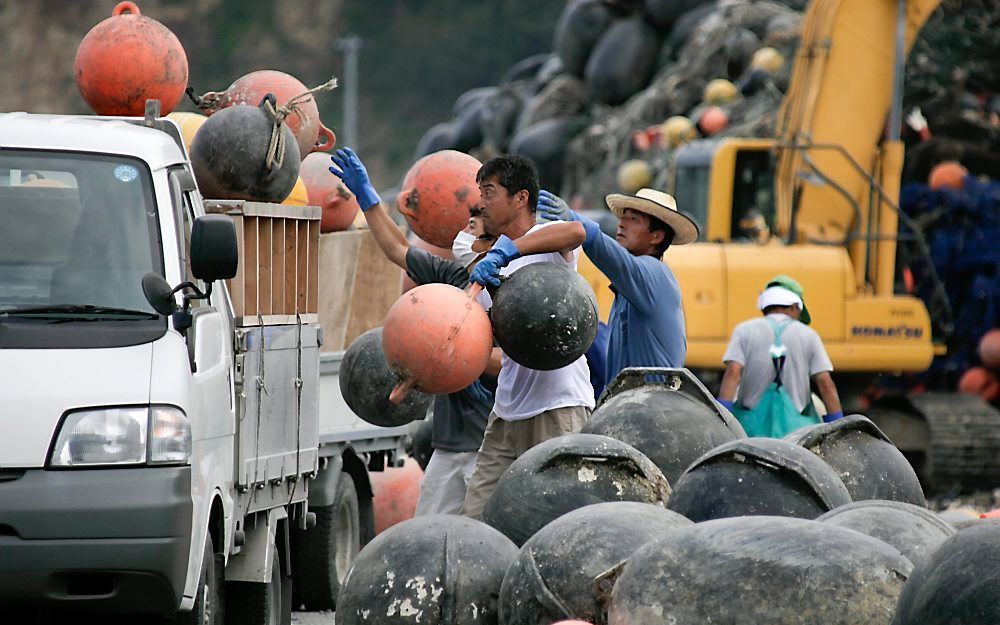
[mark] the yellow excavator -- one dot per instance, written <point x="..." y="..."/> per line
<point x="826" y="189"/>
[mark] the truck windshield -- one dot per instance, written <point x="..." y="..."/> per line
<point x="79" y="233"/>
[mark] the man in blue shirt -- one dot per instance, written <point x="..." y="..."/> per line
<point x="647" y="322"/>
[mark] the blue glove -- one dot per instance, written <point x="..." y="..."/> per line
<point x="554" y="208"/>
<point x="355" y="177"/>
<point x="725" y="402"/>
<point x="487" y="271"/>
<point x="833" y="416"/>
<point x="551" y="207"/>
<point x="479" y="393"/>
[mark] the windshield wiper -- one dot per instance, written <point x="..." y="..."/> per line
<point x="76" y="310"/>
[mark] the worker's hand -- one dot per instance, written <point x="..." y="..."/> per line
<point x="487" y="271"/>
<point x="479" y="393"/>
<point x="725" y="402"/>
<point x="352" y="172"/>
<point x="551" y="207"/>
<point x="833" y="416"/>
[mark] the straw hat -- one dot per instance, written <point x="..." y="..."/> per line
<point x="660" y="205"/>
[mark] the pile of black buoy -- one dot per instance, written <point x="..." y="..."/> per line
<point x="566" y="473"/>
<point x="666" y="414"/>
<point x="366" y="381"/>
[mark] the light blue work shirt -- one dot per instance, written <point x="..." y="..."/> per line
<point x="647" y="321"/>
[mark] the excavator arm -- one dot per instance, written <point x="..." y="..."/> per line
<point x="839" y="165"/>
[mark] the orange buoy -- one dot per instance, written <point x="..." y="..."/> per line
<point x="437" y="338"/>
<point x="947" y="175"/>
<point x="989" y="349"/>
<point x="420" y="244"/>
<point x="980" y="381"/>
<point x="712" y="120"/>
<point x="189" y="123"/>
<point x="310" y="133"/>
<point x="438" y="192"/>
<point x="396" y="490"/>
<point x="329" y="193"/>
<point x="127" y="59"/>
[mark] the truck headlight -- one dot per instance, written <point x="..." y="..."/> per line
<point x="122" y="436"/>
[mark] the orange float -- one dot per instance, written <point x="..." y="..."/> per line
<point x="947" y="175"/>
<point x="989" y="349"/>
<point x="437" y="338"/>
<point x="328" y="192"/>
<point x="128" y="59"/>
<point x="713" y="120"/>
<point x="980" y="381"/>
<point x="310" y="133"/>
<point x="438" y="192"/>
<point x="396" y="490"/>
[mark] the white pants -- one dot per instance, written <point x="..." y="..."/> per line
<point x="442" y="489"/>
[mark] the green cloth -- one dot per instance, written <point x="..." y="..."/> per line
<point x="792" y="285"/>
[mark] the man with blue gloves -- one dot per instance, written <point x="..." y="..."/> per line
<point x="459" y="418"/>
<point x="646" y="323"/>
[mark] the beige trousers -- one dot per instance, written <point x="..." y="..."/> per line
<point x="505" y="441"/>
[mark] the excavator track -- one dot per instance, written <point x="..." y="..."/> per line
<point x="959" y="439"/>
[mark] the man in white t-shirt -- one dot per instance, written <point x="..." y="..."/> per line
<point x="531" y="406"/>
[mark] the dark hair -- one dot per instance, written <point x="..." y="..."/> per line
<point x="655" y="224"/>
<point x="514" y="173"/>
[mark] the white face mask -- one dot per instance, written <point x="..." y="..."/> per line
<point x="462" y="248"/>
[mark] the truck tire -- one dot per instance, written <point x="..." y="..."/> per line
<point x="209" y="603"/>
<point x="326" y="552"/>
<point x="249" y="603"/>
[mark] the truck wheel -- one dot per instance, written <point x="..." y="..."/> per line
<point x="209" y="603"/>
<point x="249" y="603"/>
<point x="326" y="552"/>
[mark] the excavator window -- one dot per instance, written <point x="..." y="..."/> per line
<point x="691" y="193"/>
<point x="753" y="196"/>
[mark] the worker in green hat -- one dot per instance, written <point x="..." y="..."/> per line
<point x="771" y="362"/>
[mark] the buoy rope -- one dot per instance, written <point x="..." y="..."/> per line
<point x="276" y="148"/>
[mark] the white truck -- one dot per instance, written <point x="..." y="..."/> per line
<point x="164" y="449"/>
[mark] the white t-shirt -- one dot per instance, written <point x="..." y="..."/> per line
<point x="523" y="393"/>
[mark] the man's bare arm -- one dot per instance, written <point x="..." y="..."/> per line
<point x="828" y="392"/>
<point x="559" y="237"/>
<point x="730" y="380"/>
<point x="388" y="236"/>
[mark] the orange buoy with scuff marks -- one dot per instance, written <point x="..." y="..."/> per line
<point x="437" y="338"/>
<point x="329" y="193"/>
<point x="127" y="59"/>
<point x="396" y="490"/>
<point x="437" y="194"/>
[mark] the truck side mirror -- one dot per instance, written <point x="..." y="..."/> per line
<point x="214" y="253"/>
<point x="159" y="294"/>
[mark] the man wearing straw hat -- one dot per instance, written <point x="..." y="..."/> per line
<point x="647" y="322"/>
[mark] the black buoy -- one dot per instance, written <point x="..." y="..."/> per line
<point x="421" y="433"/>
<point x="758" y="476"/>
<point x="553" y="576"/>
<point x="623" y="61"/>
<point x="957" y="584"/>
<point x="545" y="142"/>
<point x="234" y="158"/>
<point x="664" y="413"/>
<point x="432" y="570"/>
<point x="579" y="29"/>
<point x="366" y="381"/>
<point x="544" y="316"/>
<point x="916" y="532"/>
<point x="754" y="570"/>
<point x="865" y="459"/>
<point x="566" y="473"/>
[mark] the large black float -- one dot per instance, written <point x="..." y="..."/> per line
<point x="865" y="459"/>
<point x="366" y="381"/>
<point x="758" y="476"/>
<point x="666" y="414"/>
<point x="566" y="473"/>
<point x="754" y="570"/>
<point x="432" y="570"/>
<point x="553" y="576"/>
